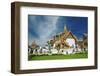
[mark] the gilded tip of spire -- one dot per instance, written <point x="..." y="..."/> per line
<point x="65" y="28"/>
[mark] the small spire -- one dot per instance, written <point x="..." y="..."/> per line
<point x="65" y="29"/>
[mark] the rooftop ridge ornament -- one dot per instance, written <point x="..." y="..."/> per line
<point x="65" y="29"/>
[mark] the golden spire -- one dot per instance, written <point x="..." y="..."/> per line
<point x="65" y="29"/>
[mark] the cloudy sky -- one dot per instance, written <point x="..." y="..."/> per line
<point x="41" y="28"/>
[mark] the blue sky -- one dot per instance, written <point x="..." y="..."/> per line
<point x="41" y="28"/>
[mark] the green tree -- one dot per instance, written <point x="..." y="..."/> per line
<point x="58" y="48"/>
<point x="49" y="46"/>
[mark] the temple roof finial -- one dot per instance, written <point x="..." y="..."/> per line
<point x="65" y="28"/>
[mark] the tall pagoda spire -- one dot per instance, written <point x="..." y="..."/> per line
<point x="65" y="29"/>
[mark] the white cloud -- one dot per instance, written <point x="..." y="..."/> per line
<point x="45" y="30"/>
